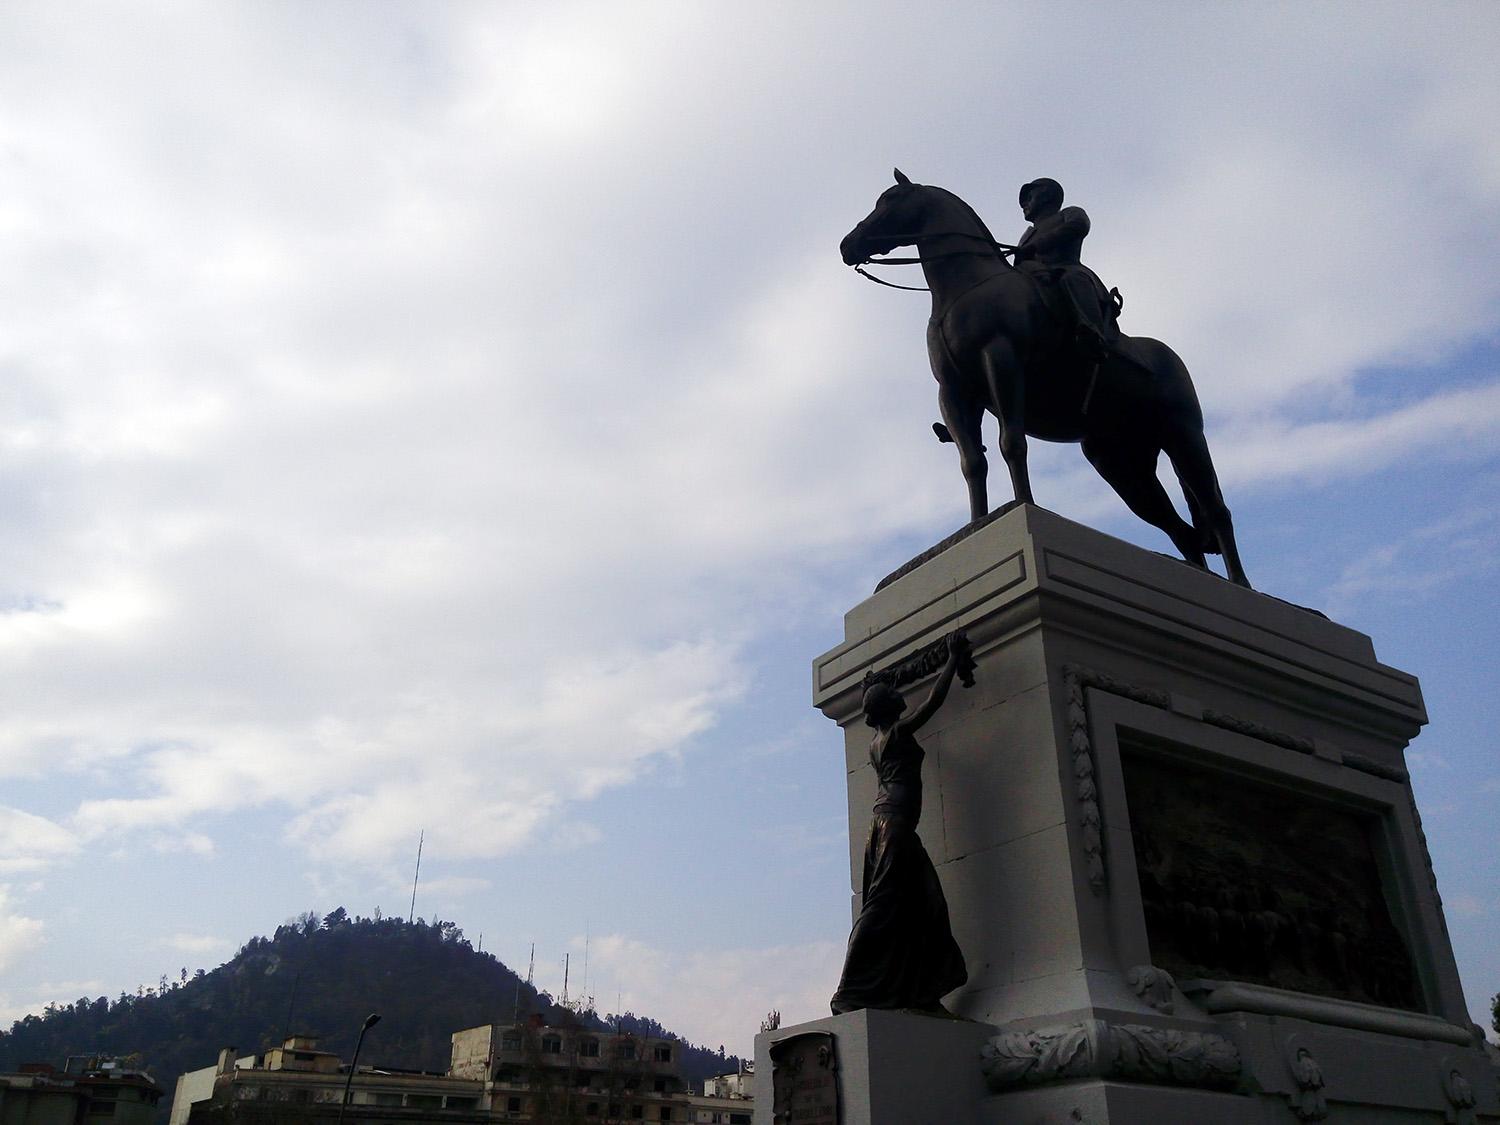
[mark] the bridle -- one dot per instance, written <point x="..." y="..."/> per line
<point x="989" y="245"/>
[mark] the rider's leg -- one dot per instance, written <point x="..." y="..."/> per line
<point x="1088" y="317"/>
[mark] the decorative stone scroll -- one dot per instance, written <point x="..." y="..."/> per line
<point x="1306" y="1101"/>
<point x="1154" y="986"/>
<point x="1099" y="1049"/>
<point x="1460" y="1095"/>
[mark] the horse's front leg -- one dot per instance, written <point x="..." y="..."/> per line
<point x="962" y="418"/>
<point x="1004" y="377"/>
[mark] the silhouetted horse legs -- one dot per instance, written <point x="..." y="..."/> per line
<point x="1007" y="386"/>
<point x="1129" y="466"/>
<point x="1188" y="452"/>
<point x="963" y="418"/>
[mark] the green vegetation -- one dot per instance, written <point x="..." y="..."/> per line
<point x="315" y="977"/>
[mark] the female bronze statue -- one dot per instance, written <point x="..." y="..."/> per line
<point x="901" y="950"/>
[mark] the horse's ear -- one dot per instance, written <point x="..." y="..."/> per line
<point x="901" y="178"/>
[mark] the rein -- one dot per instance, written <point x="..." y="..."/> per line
<point x="989" y="244"/>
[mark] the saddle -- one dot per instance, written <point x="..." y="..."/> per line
<point x="1055" y="298"/>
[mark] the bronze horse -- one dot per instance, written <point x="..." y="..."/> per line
<point x="995" y="345"/>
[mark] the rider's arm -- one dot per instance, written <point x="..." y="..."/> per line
<point x="1070" y="226"/>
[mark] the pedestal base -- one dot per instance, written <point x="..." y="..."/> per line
<point x="893" y="1068"/>
<point x="1177" y="838"/>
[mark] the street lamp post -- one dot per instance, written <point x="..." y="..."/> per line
<point x="370" y="1021"/>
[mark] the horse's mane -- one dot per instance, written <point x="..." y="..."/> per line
<point x="973" y="214"/>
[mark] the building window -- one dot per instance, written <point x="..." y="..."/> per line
<point x="662" y="1054"/>
<point x="637" y="1113"/>
<point x="589" y="1048"/>
<point x="512" y="1105"/>
<point x="739" y="1119"/>
<point x="627" y="1050"/>
<point x="591" y="1110"/>
<point x="659" y="1085"/>
<point x="666" y="1113"/>
<point x="552" y="1044"/>
<point x="510" y="1041"/>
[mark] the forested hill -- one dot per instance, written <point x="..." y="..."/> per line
<point x="314" y="977"/>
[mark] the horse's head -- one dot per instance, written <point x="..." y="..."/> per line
<point x="898" y="218"/>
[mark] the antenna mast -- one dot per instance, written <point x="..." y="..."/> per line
<point x="588" y="997"/>
<point x="420" y="837"/>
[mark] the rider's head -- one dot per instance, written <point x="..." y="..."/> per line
<point x="883" y="704"/>
<point x="1041" y="198"/>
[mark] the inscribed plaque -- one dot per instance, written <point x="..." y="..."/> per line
<point x="805" y="1080"/>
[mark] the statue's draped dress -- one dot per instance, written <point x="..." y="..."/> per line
<point x="901" y="950"/>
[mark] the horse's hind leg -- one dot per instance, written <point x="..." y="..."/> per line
<point x="1195" y="470"/>
<point x="963" y="420"/>
<point x="1130" y="469"/>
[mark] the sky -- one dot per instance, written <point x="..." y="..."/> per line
<point x="455" y="420"/>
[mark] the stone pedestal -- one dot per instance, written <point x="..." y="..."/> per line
<point x="1175" y="830"/>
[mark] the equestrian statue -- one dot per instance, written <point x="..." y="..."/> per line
<point x="1038" y="345"/>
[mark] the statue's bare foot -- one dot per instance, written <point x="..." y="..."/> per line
<point x="937" y="1011"/>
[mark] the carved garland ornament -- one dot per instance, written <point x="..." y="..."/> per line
<point x="1098" y="1049"/>
<point x="1076" y="678"/>
<point x="1416" y="819"/>
<point x="925" y="661"/>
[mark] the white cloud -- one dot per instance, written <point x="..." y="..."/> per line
<point x="199" y="945"/>
<point x="414" y="418"/>
<point x="453" y="887"/>
<point x="714" y="997"/>
<point x="18" y="933"/>
<point x="1468" y="906"/>
<point x="29" y="842"/>
<point x="411" y="460"/>
<point x="1462" y="425"/>
<point x="1463" y="542"/>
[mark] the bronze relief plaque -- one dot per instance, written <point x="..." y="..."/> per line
<point x="805" y="1080"/>
<point x="1263" y="883"/>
